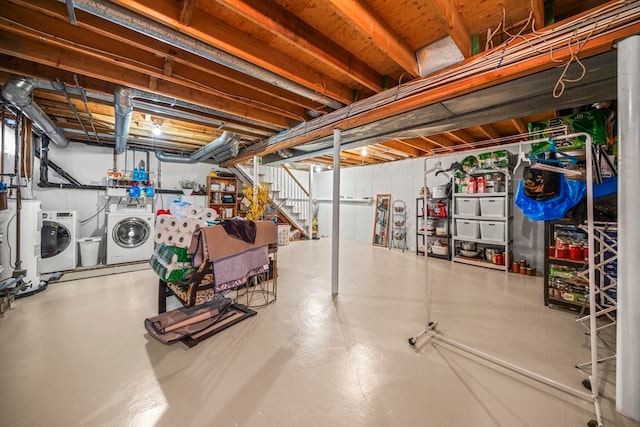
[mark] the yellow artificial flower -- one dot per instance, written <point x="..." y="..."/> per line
<point x="259" y="205"/>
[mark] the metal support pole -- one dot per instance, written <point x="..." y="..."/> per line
<point x="628" y="319"/>
<point x="425" y="200"/>
<point x="311" y="192"/>
<point x="335" y="230"/>
<point x="256" y="159"/>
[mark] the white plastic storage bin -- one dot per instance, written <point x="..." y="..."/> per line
<point x="467" y="206"/>
<point x="492" y="206"/>
<point x="491" y="230"/>
<point x="466" y="228"/>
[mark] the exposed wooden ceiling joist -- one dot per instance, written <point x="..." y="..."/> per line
<point x="209" y="29"/>
<point x="456" y="27"/>
<point x="369" y="23"/>
<point x="284" y="24"/>
<point x="312" y="54"/>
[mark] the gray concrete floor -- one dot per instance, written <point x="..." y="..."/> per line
<point x="78" y="354"/>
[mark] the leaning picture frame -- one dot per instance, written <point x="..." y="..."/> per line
<point x="381" y="220"/>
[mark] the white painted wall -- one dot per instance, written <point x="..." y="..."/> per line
<point x="403" y="180"/>
<point x="89" y="165"/>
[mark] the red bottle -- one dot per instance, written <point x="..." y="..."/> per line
<point x="472" y="185"/>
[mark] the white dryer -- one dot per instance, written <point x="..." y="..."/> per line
<point x="58" y="247"/>
<point x="129" y="236"/>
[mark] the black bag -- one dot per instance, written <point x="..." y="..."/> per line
<point x="540" y="185"/>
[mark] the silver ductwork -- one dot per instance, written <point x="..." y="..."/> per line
<point x="223" y="148"/>
<point x="123" y="106"/>
<point x="17" y="91"/>
<point x="127" y="19"/>
<point x="285" y="153"/>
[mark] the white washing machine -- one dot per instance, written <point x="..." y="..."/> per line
<point x="58" y="248"/>
<point x="129" y="236"/>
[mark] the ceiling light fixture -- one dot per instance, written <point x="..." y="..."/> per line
<point x="156" y="130"/>
<point x="318" y="168"/>
<point x="364" y="152"/>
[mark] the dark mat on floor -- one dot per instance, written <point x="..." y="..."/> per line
<point x="197" y="323"/>
<point x="235" y="314"/>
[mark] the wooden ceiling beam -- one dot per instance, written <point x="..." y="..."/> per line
<point x="114" y="71"/>
<point x="168" y="66"/>
<point x="328" y="160"/>
<point x="397" y="153"/>
<point x="399" y="145"/>
<point x="283" y="24"/>
<point x="186" y="12"/>
<point x="527" y="66"/>
<point x="537" y="8"/>
<point x="439" y="141"/>
<point x="489" y="131"/>
<point x="419" y="144"/>
<point x="455" y="24"/>
<point x="520" y="125"/>
<point x="225" y="37"/>
<point x="10" y="66"/>
<point x="355" y="157"/>
<point x="376" y="152"/>
<point x="325" y="160"/>
<point x="367" y="22"/>
<point x="460" y="135"/>
<point x="82" y="42"/>
<point x="122" y="37"/>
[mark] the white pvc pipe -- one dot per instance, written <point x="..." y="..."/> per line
<point x="335" y="231"/>
<point x="256" y="159"/>
<point x="310" y="219"/>
<point x="628" y="314"/>
<point x="424" y="240"/>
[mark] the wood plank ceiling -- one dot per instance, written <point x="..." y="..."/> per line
<point x="264" y="68"/>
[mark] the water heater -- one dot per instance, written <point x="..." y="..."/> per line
<point x="30" y="226"/>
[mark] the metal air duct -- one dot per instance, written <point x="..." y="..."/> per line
<point x="140" y="24"/>
<point x="123" y="106"/>
<point x="17" y="90"/>
<point x="215" y="148"/>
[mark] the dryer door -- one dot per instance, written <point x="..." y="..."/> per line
<point x="131" y="232"/>
<point x="55" y="238"/>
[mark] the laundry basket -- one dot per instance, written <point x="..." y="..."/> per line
<point x="283" y="234"/>
<point x="89" y="250"/>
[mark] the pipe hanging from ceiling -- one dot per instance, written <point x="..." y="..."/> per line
<point x="17" y="90"/>
<point x="125" y="18"/>
<point x="225" y="147"/>
<point x="140" y="96"/>
<point x="123" y="106"/>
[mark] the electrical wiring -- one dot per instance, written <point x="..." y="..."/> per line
<point x="530" y="47"/>
<point x="85" y="101"/>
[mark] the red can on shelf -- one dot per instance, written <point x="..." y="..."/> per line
<point x="515" y="267"/>
<point x="562" y="252"/>
<point x="575" y="253"/>
<point x="551" y="251"/>
<point x="585" y="253"/>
